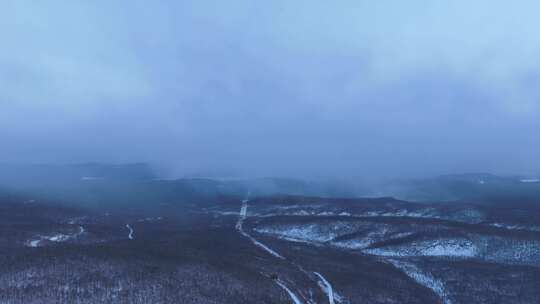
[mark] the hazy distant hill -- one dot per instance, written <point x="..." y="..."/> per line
<point x="23" y="174"/>
<point x="480" y="187"/>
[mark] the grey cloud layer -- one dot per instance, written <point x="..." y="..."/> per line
<point x="276" y="88"/>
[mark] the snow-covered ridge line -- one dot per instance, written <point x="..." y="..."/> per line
<point x="458" y="248"/>
<point x="150" y="219"/>
<point x="130" y="235"/>
<point x="294" y="298"/>
<point x="515" y="227"/>
<point x="467" y="216"/>
<point x="530" y="180"/>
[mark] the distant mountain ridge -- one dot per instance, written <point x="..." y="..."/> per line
<point x="138" y="184"/>
<point x="24" y="172"/>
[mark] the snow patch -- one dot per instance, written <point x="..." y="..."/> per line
<point x="57" y="238"/>
<point x="310" y="232"/>
<point x="370" y="239"/>
<point x="89" y="178"/>
<point x="150" y="219"/>
<point x="354" y="243"/>
<point x="34" y="243"/>
<point x="438" y="248"/>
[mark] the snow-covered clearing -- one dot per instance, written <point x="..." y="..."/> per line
<point x="461" y="248"/>
<point x="57" y="238"/>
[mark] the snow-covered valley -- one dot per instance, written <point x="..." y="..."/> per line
<point x="274" y="250"/>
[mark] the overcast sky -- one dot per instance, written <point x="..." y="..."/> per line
<point x="289" y="88"/>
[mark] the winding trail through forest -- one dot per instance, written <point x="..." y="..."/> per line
<point x="240" y="228"/>
<point x="325" y="286"/>
<point x="130" y="235"/>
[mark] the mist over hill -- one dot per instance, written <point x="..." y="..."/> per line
<point x="139" y="184"/>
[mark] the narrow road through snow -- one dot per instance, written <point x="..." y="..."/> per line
<point x="295" y="299"/>
<point x="130" y="235"/>
<point x="322" y="282"/>
<point x="326" y="287"/>
<point x="239" y="227"/>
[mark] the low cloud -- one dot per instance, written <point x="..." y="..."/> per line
<point x="354" y="88"/>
